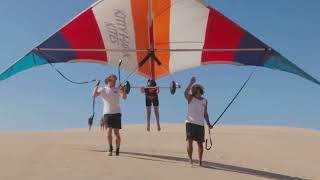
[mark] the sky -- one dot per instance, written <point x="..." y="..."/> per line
<point x="38" y="99"/>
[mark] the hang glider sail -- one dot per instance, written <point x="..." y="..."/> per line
<point x="154" y="38"/>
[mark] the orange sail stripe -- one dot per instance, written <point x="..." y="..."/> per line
<point x="161" y="25"/>
<point x="140" y="19"/>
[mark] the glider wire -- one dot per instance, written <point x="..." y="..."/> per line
<point x="235" y="97"/>
<point x="228" y="106"/>
<point x="60" y="73"/>
<point x="129" y="75"/>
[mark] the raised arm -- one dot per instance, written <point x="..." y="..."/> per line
<point x="95" y="90"/>
<point x="206" y="116"/>
<point x="123" y="93"/>
<point x="187" y="90"/>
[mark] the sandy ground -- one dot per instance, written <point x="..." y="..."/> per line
<point x="240" y="152"/>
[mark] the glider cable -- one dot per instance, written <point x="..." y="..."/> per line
<point x="91" y="118"/>
<point x="60" y="73"/>
<point x="266" y="52"/>
<point x="235" y="97"/>
<point x="128" y="76"/>
<point x="228" y="106"/>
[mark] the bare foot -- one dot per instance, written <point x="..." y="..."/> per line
<point x="148" y="127"/>
<point x="188" y="165"/>
<point x="159" y="128"/>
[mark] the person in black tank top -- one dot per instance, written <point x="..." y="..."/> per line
<point x="151" y="92"/>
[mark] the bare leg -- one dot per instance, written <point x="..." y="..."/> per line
<point x="118" y="140"/>
<point x="148" y="117"/>
<point x="156" y="112"/>
<point x="110" y="141"/>
<point x="102" y="124"/>
<point x="190" y="150"/>
<point x="200" y="152"/>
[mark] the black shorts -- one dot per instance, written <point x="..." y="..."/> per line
<point x="113" y="120"/>
<point x="194" y="132"/>
<point x="154" y="102"/>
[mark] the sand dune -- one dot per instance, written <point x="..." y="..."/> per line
<point x="240" y="152"/>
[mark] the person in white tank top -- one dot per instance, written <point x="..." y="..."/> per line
<point x="196" y="118"/>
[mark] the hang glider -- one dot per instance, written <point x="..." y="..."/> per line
<point x="154" y="38"/>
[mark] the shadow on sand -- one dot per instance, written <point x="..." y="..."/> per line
<point x="207" y="164"/>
